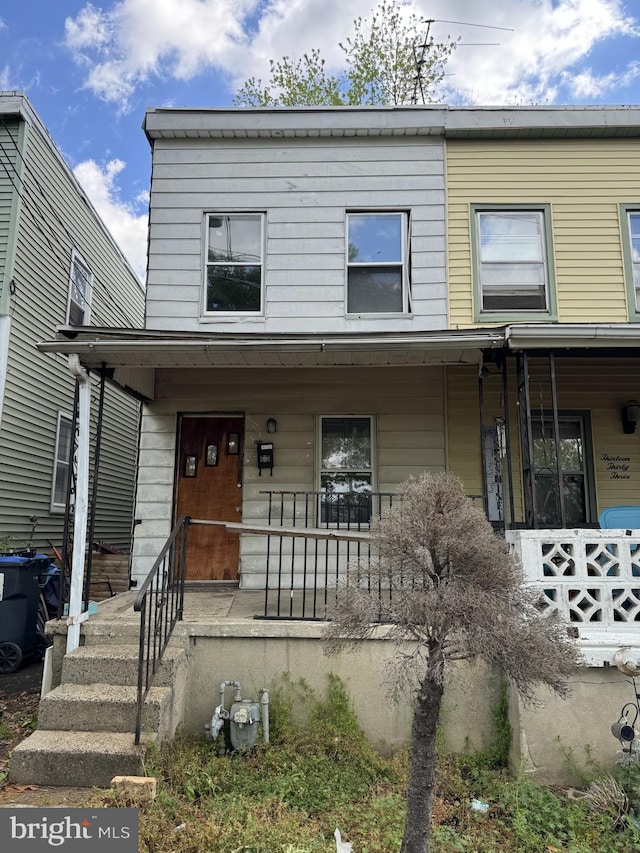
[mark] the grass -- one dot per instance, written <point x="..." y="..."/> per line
<point x="320" y="772"/>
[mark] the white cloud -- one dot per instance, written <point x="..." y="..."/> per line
<point x="92" y="29"/>
<point x="126" y="224"/>
<point x="551" y="39"/>
<point x="135" y="40"/>
<point x="592" y="86"/>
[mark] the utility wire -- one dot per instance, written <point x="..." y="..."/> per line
<point x="62" y="263"/>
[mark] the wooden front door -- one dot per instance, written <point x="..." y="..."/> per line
<point x="210" y="487"/>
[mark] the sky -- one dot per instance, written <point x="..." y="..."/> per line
<point x="92" y="70"/>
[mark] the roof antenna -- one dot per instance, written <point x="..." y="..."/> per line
<point x="420" y="61"/>
<point x="419" y="52"/>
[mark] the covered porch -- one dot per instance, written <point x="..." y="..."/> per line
<point x="528" y="416"/>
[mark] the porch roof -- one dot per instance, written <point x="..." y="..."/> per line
<point x="532" y="336"/>
<point x="132" y="355"/>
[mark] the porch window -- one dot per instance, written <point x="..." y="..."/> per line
<point x="61" y="462"/>
<point x="377" y="270"/>
<point x="631" y="243"/>
<point x="80" y="285"/>
<point x="234" y="263"/>
<point x="512" y="261"/>
<point x="576" y="474"/>
<point x="346" y="470"/>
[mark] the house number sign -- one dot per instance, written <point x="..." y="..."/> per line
<point x="619" y="467"/>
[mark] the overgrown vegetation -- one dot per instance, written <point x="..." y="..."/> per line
<point x="320" y="772"/>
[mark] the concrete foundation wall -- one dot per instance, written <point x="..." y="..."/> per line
<point x="550" y="740"/>
<point x="555" y="736"/>
<point x="258" y="661"/>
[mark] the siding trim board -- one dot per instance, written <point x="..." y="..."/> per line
<point x="633" y="291"/>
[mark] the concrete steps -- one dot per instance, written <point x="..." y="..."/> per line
<point x="104" y="707"/>
<point x="116" y="664"/>
<point x="81" y="759"/>
<point x="86" y="725"/>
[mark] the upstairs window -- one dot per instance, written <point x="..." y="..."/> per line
<point x="377" y="280"/>
<point x="80" y="285"/>
<point x="235" y="249"/>
<point x="512" y="261"/>
<point x="631" y="244"/>
<point x="346" y="470"/>
<point x="62" y="456"/>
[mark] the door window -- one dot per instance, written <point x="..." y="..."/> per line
<point x="346" y="470"/>
<point x="575" y="470"/>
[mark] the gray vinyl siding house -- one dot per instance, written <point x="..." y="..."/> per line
<point x="49" y="235"/>
<point x="303" y="173"/>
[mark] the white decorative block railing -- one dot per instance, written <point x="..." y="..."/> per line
<point x="592" y="577"/>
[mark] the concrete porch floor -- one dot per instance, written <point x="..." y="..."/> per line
<point x="202" y="603"/>
<point x="210" y="610"/>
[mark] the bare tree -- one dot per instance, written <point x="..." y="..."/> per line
<point x="390" y="59"/>
<point x="450" y="590"/>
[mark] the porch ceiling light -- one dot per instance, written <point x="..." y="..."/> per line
<point x="272" y="424"/>
<point x="630" y="416"/>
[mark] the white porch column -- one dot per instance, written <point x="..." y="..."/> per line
<point x="81" y="509"/>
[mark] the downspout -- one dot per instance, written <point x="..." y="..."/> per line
<point x="76" y="616"/>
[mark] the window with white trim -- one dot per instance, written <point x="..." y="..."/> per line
<point x="377" y="268"/>
<point x="633" y="223"/>
<point x="80" y="287"/>
<point x="512" y="260"/>
<point x="61" y="462"/>
<point x="234" y="263"/>
<point x="346" y="469"/>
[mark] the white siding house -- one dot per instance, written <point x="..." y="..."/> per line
<point x="59" y="266"/>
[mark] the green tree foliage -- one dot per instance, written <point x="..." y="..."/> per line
<point x="382" y="59"/>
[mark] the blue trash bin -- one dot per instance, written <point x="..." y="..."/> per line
<point x="20" y="586"/>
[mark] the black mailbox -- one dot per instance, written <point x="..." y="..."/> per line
<point x="265" y="457"/>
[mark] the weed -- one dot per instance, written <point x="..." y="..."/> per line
<point x="28" y="722"/>
<point x="586" y="771"/>
<point x="319" y="772"/>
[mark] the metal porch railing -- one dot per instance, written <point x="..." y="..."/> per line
<point x="160" y="603"/>
<point x="303" y="570"/>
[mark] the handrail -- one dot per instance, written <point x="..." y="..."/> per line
<point x="164" y="588"/>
